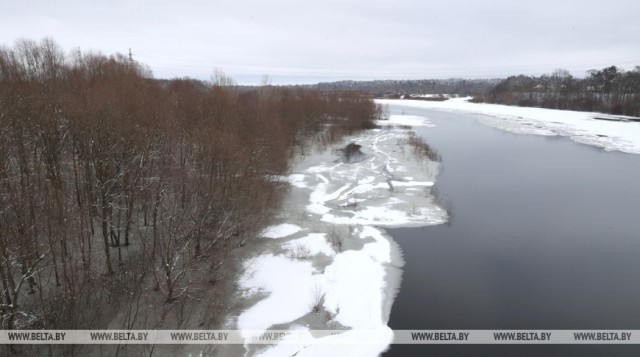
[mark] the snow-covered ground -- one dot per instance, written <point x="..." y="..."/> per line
<point x="327" y="263"/>
<point x="581" y="127"/>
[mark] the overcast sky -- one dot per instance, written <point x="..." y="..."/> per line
<point x="298" y="41"/>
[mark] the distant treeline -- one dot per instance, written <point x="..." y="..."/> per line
<point x="610" y="90"/>
<point x="395" y="88"/>
<point x="121" y="195"/>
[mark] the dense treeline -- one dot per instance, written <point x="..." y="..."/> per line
<point x="395" y="88"/>
<point x="610" y="90"/>
<point x="121" y="195"/>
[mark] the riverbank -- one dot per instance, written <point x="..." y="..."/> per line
<point x="327" y="263"/>
<point x="622" y="134"/>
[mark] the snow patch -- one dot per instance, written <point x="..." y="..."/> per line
<point x="410" y="120"/>
<point x="353" y="286"/>
<point x="287" y="284"/>
<point x="312" y="244"/>
<point x="281" y="230"/>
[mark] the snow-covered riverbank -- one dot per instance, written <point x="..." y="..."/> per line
<point x="597" y="129"/>
<point x="327" y="264"/>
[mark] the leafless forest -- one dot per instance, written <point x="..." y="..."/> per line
<point x="609" y="90"/>
<point x="121" y="195"/>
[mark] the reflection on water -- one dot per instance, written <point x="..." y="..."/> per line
<point x="545" y="235"/>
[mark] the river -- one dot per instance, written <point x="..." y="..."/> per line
<point x="544" y="234"/>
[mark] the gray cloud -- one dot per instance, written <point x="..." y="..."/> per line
<point x="308" y="41"/>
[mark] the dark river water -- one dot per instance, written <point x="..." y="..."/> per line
<point x="545" y="234"/>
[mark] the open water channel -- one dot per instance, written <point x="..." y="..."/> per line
<point x="544" y="234"/>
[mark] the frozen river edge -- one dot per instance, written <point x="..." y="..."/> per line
<point x="610" y="132"/>
<point x="327" y="263"/>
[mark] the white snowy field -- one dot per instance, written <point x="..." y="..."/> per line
<point x="326" y="264"/>
<point x="581" y="127"/>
